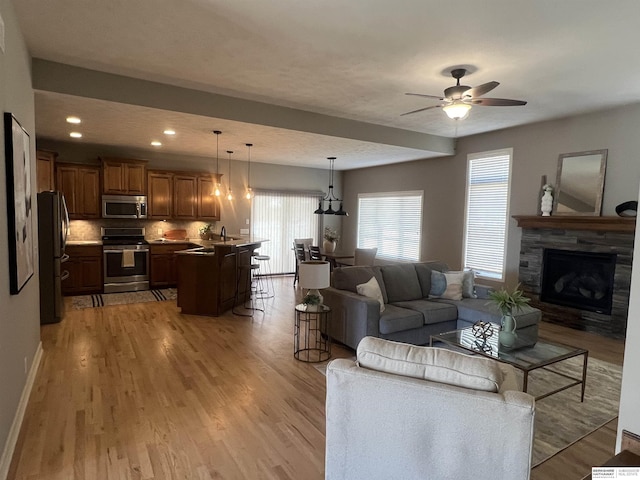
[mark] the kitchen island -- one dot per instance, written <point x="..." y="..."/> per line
<point x="211" y="277"/>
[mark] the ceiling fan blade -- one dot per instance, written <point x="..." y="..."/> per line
<point x="497" y="102"/>
<point x="481" y="89"/>
<point x="421" y="110"/>
<point x="425" y="96"/>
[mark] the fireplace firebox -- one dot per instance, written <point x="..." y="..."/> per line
<point x="582" y="280"/>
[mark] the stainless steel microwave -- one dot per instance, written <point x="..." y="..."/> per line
<point x="124" y="206"/>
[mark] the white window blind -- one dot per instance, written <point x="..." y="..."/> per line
<point x="392" y="222"/>
<point x="488" y="178"/>
<point x="281" y="217"/>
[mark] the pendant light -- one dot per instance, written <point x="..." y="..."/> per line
<point x="330" y="197"/>
<point x="249" y="194"/>
<point x="217" y="187"/>
<point x="229" y="193"/>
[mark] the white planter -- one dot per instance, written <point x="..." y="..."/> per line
<point x="328" y="246"/>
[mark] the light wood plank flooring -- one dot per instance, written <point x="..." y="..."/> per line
<point x="144" y="392"/>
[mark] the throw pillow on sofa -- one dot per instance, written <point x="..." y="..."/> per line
<point x="468" y="288"/>
<point x="371" y="289"/>
<point x="446" y="285"/>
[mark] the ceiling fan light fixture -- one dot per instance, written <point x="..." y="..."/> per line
<point x="457" y="110"/>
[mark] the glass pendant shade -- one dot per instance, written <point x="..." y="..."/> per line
<point x="229" y="192"/>
<point x="457" y="110"/>
<point x="249" y="194"/>
<point x="216" y="188"/>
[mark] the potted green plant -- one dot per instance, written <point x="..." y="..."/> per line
<point x="312" y="302"/>
<point x="206" y="232"/>
<point x="508" y="303"/>
<point x="330" y="240"/>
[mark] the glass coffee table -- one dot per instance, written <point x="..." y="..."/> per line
<point x="526" y="355"/>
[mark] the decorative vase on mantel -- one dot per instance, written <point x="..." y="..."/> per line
<point x="507" y="335"/>
<point x="328" y="246"/>
<point x="546" y="202"/>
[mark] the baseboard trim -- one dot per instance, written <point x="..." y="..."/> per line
<point x="12" y="439"/>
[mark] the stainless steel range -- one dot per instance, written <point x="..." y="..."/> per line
<point x="126" y="259"/>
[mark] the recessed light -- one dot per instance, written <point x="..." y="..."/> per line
<point x="156" y="143"/>
<point x="74" y="120"/>
<point x="75" y="135"/>
<point x="168" y="131"/>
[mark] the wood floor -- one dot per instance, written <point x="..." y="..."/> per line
<point x="144" y="392"/>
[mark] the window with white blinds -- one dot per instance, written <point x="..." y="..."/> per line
<point x="281" y="217"/>
<point x="487" y="205"/>
<point x="392" y="222"/>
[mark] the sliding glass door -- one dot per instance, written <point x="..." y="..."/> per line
<point x="281" y="217"/>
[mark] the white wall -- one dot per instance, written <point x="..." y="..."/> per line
<point x="535" y="153"/>
<point x="19" y="314"/>
<point x="629" y="415"/>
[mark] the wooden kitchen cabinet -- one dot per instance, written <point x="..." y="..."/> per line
<point x="45" y="170"/>
<point x="85" y="270"/>
<point x="123" y="177"/>
<point x="160" y="196"/>
<point x="182" y="195"/>
<point x="80" y="185"/>
<point x="164" y="264"/>
<point x="185" y="193"/>
<point x="208" y="204"/>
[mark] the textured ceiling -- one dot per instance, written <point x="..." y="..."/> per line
<point x="350" y="59"/>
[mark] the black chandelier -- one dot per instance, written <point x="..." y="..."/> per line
<point x="330" y="197"/>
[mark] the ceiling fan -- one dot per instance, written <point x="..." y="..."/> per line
<point x="460" y="98"/>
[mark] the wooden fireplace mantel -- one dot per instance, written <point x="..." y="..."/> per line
<point x="598" y="224"/>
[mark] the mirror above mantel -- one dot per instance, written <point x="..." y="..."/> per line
<point x="580" y="183"/>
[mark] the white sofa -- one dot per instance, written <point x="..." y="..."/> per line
<point x="398" y="412"/>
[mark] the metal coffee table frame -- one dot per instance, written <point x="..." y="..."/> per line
<point x="526" y="355"/>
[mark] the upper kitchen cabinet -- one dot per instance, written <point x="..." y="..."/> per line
<point x="160" y="196"/>
<point x="185" y="192"/>
<point x="208" y="204"/>
<point x="123" y="176"/>
<point x="182" y="195"/>
<point x="45" y="172"/>
<point x="80" y="185"/>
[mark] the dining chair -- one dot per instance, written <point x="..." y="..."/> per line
<point x="365" y="256"/>
<point x="314" y="252"/>
<point x="301" y="256"/>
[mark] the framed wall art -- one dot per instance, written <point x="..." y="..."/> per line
<point x="19" y="208"/>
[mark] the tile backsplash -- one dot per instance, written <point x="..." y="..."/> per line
<point x="154" y="229"/>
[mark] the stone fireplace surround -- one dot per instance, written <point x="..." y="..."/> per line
<point x="586" y="234"/>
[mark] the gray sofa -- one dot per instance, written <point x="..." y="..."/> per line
<point x="409" y="315"/>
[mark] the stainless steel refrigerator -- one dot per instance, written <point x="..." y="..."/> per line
<point x="53" y="226"/>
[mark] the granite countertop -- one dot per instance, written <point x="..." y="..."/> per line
<point x="83" y="242"/>
<point x="234" y="240"/>
<point x="163" y="241"/>
<point x="207" y="247"/>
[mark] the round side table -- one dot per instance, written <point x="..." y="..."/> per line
<point x="310" y="343"/>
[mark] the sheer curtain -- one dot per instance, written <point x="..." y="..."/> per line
<point x="281" y="217"/>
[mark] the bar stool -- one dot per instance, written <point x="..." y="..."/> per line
<point x="263" y="273"/>
<point x="247" y="271"/>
